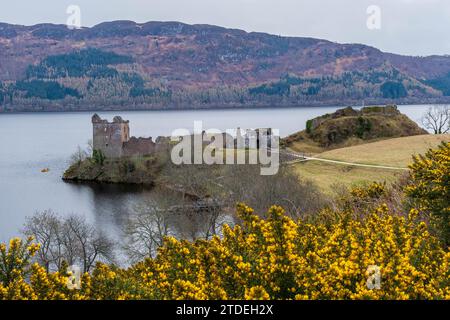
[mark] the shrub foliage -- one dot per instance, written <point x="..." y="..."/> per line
<point x="430" y="186"/>
<point x="275" y="258"/>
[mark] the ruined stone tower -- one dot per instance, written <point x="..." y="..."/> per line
<point x="109" y="137"/>
<point x="114" y="141"/>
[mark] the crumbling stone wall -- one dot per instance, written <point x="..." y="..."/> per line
<point x="138" y="147"/>
<point x="114" y="141"/>
<point x="252" y="138"/>
<point x="387" y="110"/>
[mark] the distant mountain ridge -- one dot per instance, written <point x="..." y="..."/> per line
<point x="128" y="65"/>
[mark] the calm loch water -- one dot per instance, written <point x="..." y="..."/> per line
<point x="31" y="142"/>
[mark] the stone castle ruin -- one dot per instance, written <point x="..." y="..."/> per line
<point x="114" y="141"/>
<point x="252" y="138"/>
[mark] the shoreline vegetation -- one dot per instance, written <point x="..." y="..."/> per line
<point x="339" y="104"/>
<point x="148" y="171"/>
<point x="402" y="231"/>
<point x="130" y="170"/>
<point x="241" y="235"/>
<point x="357" y="206"/>
<point x="344" y="128"/>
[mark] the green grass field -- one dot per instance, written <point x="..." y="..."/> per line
<point x="396" y="152"/>
<point x="393" y="152"/>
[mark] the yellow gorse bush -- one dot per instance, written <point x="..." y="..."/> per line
<point x="430" y="185"/>
<point x="273" y="258"/>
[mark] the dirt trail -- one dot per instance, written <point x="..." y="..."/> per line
<point x="302" y="158"/>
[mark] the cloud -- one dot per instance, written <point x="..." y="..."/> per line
<point x="416" y="27"/>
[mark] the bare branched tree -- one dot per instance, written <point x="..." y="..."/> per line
<point x="82" y="154"/>
<point x="44" y="227"/>
<point x="199" y="219"/>
<point x="215" y="218"/>
<point x="193" y="180"/>
<point x="78" y="156"/>
<point x="297" y="196"/>
<point x="171" y="213"/>
<point x="437" y="119"/>
<point x="90" y="147"/>
<point x="89" y="244"/>
<point x="146" y="230"/>
<point x="71" y="239"/>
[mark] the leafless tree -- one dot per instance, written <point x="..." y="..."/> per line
<point x="78" y="156"/>
<point x="70" y="239"/>
<point x="90" y="147"/>
<point x="200" y="219"/>
<point x="89" y="244"/>
<point x="196" y="181"/>
<point x="205" y="199"/>
<point x="146" y="230"/>
<point x="171" y="213"/>
<point x="297" y="196"/>
<point x="244" y="183"/>
<point x="82" y="154"/>
<point x="437" y="119"/>
<point x="45" y="228"/>
<point x="215" y="218"/>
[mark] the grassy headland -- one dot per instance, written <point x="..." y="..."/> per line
<point x="392" y="152"/>
<point x="348" y="127"/>
<point x="132" y="170"/>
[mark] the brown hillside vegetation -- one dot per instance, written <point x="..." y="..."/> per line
<point x="123" y="65"/>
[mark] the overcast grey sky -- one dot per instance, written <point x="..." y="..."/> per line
<point x="414" y="27"/>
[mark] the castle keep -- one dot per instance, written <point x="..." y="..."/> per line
<point x="114" y="141"/>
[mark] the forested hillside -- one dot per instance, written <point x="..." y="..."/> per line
<point x="125" y="65"/>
